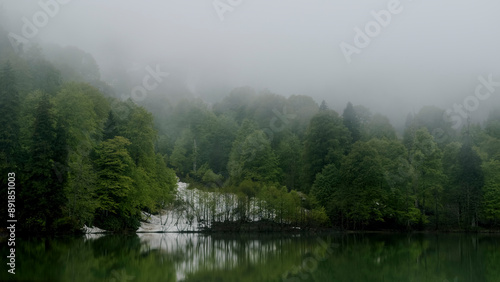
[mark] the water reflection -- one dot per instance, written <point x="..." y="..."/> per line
<point x="197" y="257"/>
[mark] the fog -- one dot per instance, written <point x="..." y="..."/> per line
<point x="428" y="52"/>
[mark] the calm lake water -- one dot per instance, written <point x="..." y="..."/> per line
<point x="197" y="257"/>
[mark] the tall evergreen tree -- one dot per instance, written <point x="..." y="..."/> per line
<point x="43" y="194"/>
<point x="110" y="127"/>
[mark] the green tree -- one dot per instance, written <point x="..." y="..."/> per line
<point x="451" y="191"/>
<point x="426" y="170"/>
<point x="351" y="122"/>
<point x="117" y="209"/>
<point x="302" y="108"/>
<point x="10" y="109"/>
<point x="326" y="189"/>
<point x="255" y="160"/>
<point x="43" y="194"/>
<point x="9" y="118"/>
<point x="110" y="127"/>
<point x="363" y="197"/>
<point x="401" y="211"/>
<point x="139" y="129"/>
<point x="326" y="141"/>
<point x="491" y="200"/>
<point x="42" y="74"/>
<point x="181" y="155"/>
<point x="471" y="182"/>
<point x="82" y="110"/>
<point x="493" y="124"/>
<point x="379" y="127"/>
<point x="220" y="143"/>
<point x="288" y="152"/>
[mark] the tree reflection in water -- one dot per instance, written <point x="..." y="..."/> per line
<point x="260" y="257"/>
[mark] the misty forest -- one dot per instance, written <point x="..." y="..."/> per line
<point x="83" y="156"/>
<point x="233" y="140"/>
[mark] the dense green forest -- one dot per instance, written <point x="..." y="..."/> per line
<point x="82" y="156"/>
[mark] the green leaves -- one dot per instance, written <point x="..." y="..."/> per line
<point x="491" y="200"/>
<point x="326" y="141"/>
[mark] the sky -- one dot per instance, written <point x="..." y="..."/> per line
<point x="426" y="53"/>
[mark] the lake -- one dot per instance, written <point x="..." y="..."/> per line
<point x="198" y="257"/>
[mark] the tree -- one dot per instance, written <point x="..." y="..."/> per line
<point x="180" y="158"/>
<point x="451" y="190"/>
<point x="323" y="106"/>
<point x="9" y="118"/>
<point x="425" y="160"/>
<point x="492" y="126"/>
<point x="401" y="210"/>
<point x="380" y="127"/>
<point x="255" y="160"/>
<point x="117" y="209"/>
<point x="139" y="129"/>
<point x="110" y="127"/>
<point x="9" y="134"/>
<point x="326" y="189"/>
<point x="302" y="108"/>
<point x="220" y="143"/>
<point x="363" y="195"/>
<point x="363" y="113"/>
<point x="43" y="194"/>
<point x="238" y="154"/>
<point x="491" y="200"/>
<point x="351" y="122"/>
<point x="43" y="75"/>
<point x="471" y="182"/>
<point x="326" y="141"/>
<point x="288" y="153"/>
<point x="439" y="127"/>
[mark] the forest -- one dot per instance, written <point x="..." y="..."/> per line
<point x="83" y="156"/>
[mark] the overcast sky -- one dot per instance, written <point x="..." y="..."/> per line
<point x="431" y="52"/>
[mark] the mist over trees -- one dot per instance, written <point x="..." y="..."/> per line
<point x="83" y="156"/>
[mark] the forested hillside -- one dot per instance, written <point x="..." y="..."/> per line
<point x="353" y="166"/>
<point x="82" y="156"/>
<point x="79" y="155"/>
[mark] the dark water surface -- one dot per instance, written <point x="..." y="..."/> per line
<point x="197" y="257"/>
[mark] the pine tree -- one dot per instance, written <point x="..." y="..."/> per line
<point x="110" y="127"/>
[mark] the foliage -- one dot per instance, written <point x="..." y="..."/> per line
<point x="84" y="157"/>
